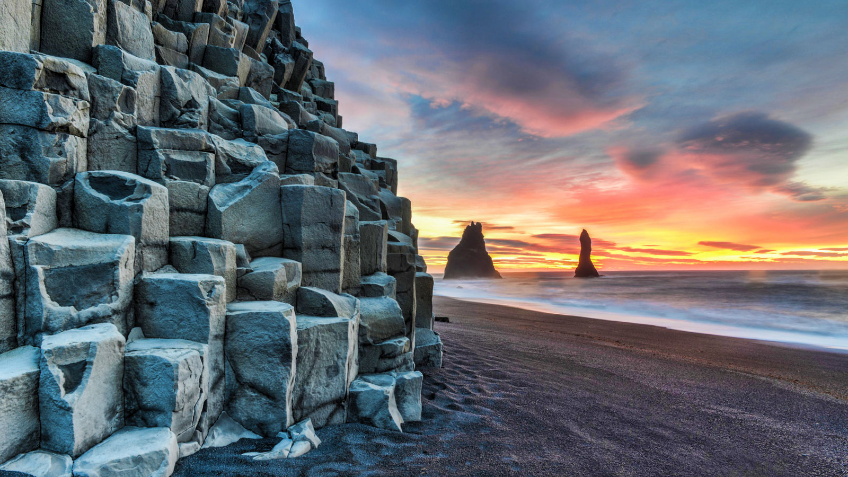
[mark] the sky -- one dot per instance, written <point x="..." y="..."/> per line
<point x="681" y="135"/>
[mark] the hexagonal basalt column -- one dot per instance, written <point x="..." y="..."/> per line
<point x="79" y="393"/>
<point x="120" y="202"/>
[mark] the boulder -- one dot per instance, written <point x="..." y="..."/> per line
<point x="402" y="267"/>
<point x="302" y="62"/>
<point x="424" y="300"/>
<point x="378" y="285"/>
<point x="227" y="61"/>
<point x="41" y="463"/>
<point x="313" y="229"/>
<point x="131" y="452"/>
<point x="261" y="346"/>
<point x="30" y="208"/>
<point x="260" y="77"/>
<point x="188" y="307"/>
<point x="325" y="372"/>
<point x="258" y="120"/>
<point x="373" y="247"/>
<point x="297" y="179"/>
<point x="30" y="154"/>
<point x="248" y="212"/>
<point x="172" y="40"/>
<point x="380" y="319"/>
<point x="72" y="28"/>
<point x="221" y="34"/>
<point x="362" y="190"/>
<point x="309" y="152"/>
<point x="184" y="102"/>
<point x="304" y="431"/>
<point x="270" y="279"/>
<point x="129" y="29"/>
<point x="70" y="278"/>
<point x="79" y="394"/>
<point x="372" y="402"/>
<point x="284" y="23"/>
<point x="408" y="394"/>
<point x="166" y="385"/>
<point x="224" y="121"/>
<point x="197" y="35"/>
<point x="176" y="139"/>
<point x="201" y="255"/>
<point x="114" y="202"/>
<point x="428" y="348"/>
<point x="8" y="320"/>
<point x="19" y="406"/>
<point x="181" y="10"/>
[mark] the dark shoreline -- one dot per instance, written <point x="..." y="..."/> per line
<point x="528" y="393"/>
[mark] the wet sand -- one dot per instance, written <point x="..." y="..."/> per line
<point x="529" y="393"/>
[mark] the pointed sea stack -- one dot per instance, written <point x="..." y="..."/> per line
<point x="469" y="258"/>
<point x="585" y="268"/>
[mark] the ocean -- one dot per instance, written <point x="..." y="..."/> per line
<point x="800" y="307"/>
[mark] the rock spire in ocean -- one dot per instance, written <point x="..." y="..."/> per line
<point x="469" y="258"/>
<point x="585" y="268"/>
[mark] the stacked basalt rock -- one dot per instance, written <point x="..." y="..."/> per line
<point x="196" y="248"/>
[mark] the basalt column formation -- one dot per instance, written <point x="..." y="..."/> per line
<point x="195" y="247"/>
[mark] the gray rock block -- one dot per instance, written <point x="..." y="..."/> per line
<point x="19" y="406"/>
<point x="261" y="347"/>
<point x="30" y="208"/>
<point x="313" y="227"/>
<point x="112" y="144"/>
<point x="270" y="279"/>
<point x="8" y="319"/>
<point x="187" y="307"/>
<point x="408" y="394"/>
<point x="304" y="431"/>
<point x="362" y="191"/>
<point x="79" y="393"/>
<point x="44" y="111"/>
<point x="302" y="62"/>
<point x="71" y="278"/>
<point x="72" y="28"/>
<point x="129" y="30"/>
<point x="428" y="348"/>
<point x="424" y="316"/>
<point x="284" y="23"/>
<point x="48" y="158"/>
<point x="259" y="15"/>
<point x="201" y="255"/>
<point x="297" y="179"/>
<point x="260" y="77"/>
<point x="224" y="121"/>
<point x="227" y="61"/>
<point x="166" y="385"/>
<point x="196" y="33"/>
<point x="380" y="319"/>
<point x="384" y="356"/>
<point x="176" y="139"/>
<point x="169" y="57"/>
<point x="16" y="18"/>
<point x="324" y="373"/>
<point x="378" y="285"/>
<point x="131" y="452"/>
<point x="114" y="202"/>
<point x="276" y="148"/>
<point x="323" y="303"/>
<point x="373" y="247"/>
<point x="258" y="120"/>
<point x="142" y="75"/>
<point x="402" y="267"/>
<point x="248" y="212"/>
<point x="181" y="10"/>
<point x="172" y="40"/>
<point x="188" y="202"/>
<point x="351" y="271"/>
<point x="166" y="165"/>
<point x="41" y="463"/>
<point x="310" y="152"/>
<point x="184" y="102"/>
<point x="236" y="159"/>
<point x="43" y="73"/>
<point x="372" y="402"/>
<point x="226" y="431"/>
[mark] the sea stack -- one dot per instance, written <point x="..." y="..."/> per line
<point x="585" y="268"/>
<point x="469" y="258"/>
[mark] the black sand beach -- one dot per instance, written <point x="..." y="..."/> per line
<point x="527" y="393"/>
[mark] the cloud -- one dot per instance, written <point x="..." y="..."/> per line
<point x="749" y="147"/>
<point x="765" y="251"/>
<point x="803" y="192"/>
<point x="807" y="253"/>
<point x="836" y="249"/>
<point x="739" y="247"/>
<point x="654" y="251"/>
<point x="437" y="243"/>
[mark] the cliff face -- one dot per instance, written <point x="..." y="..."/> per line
<point x="191" y="241"/>
<point x="585" y="268"/>
<point x="469" y="258"/>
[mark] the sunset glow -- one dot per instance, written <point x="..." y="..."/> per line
<point x="676" y="136"/>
